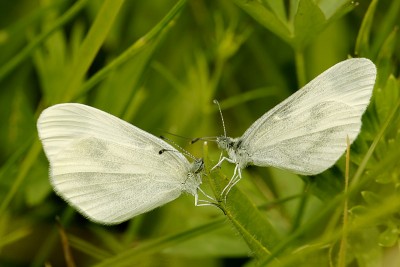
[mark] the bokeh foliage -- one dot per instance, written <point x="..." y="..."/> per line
<point x="159" y="65"/>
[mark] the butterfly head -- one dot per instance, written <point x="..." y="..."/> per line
<point x="197" y="166"/>
<point x="225" y="142"/>
<point x="193" y="179"/>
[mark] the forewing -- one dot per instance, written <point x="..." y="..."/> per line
<point x="108" y="169"/>
<point x="306" y="133"/>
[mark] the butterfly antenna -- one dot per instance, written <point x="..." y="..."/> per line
<point x="207" y="138"/>
<point x="184" y="151"/>
<point x="220" y="113"/>
<point x="192" y="140"/>
<point x="173" y="134"/>
<point x="212" y="138"/>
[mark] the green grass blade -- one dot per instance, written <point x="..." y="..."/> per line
<point x="26" y="165"/>
<point x="90" y="46"/>
<point x="362" y="43"/>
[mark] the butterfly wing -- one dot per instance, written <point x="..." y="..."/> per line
<point x="106" y="168"/>
<point x="306" y="133"/>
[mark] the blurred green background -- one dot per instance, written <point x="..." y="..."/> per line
<point x="159" y="65"/>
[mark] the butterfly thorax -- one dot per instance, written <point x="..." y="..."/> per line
<point x="235" y="150"/>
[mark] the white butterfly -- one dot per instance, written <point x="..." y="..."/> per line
<point x="108" y="169"/>
<point x="306" y="133"/>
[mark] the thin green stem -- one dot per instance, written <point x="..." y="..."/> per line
<point x="300" y="210"/>
<point x="300" y="68"/>
<point x="26" y="165"/>
<point x="343" y="243"/>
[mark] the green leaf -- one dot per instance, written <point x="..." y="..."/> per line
<point x="254" y="228"/>
<point x="385" y="59"/>
<point x="362" y="44"/>
<point x="371" y="198"/>
<point x="335" y="8"/>
<point x="363" y="245"/>
<point x="278" y="8"/>
<point x="389" y="24"/>
<point x="37" y="189"/>
<point x="358" y="211"/>
<point x="387" y="97"/>
<point x="308" y="22"/>
<point x="265" y="17"/>
<point x="390" y="236"/>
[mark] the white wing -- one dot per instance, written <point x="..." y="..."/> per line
<point x="306" y="133"/>
<point x="106" y="168"/>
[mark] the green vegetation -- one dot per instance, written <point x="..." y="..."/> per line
<point x="159" y="65"/>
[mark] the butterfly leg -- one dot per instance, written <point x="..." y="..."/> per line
<point x="200" y="202"/>
<point x="220" y="156"/>
<point x="206" y="195"/>
<point x="236" y="180"/>
<point x="220" y="162"/>
<point x="229" y="183"/>
<point x="237" y="175"/>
